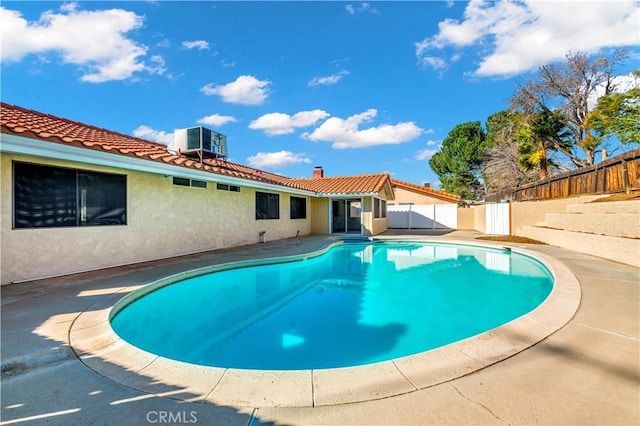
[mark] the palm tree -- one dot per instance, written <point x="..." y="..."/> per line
<point x="538" y="134"/>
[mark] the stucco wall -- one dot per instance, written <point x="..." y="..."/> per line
<point x="466" y="218"/>
<point x="367" y="216"/>
<point x="532" y="212"/>
<point x="379" y="226"/>
<point x="370" y="225"/>
<point x="319" y="216"/>
<point x="480" y="218"/>
<point x="164" y="220"/>
<point x="406" y="196"/>
<point x="522" y="213"/>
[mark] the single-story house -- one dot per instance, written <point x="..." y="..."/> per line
<point x="410" y="193"/>
<point x="75" y="197"/>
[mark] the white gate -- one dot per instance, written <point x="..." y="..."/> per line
<point x="497" y="217"/>
<point x="423" y="216"/>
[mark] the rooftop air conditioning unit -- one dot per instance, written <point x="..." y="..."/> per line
<point x="200" y="141"/>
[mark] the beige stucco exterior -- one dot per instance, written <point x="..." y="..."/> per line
<point x="406" y="196"/>
<point x="480" y="218"/>
<point x="163" y="220"/>
<point x="532" y="212"/>
<point x="525" y="213"/>
<point x="371" y="225"/>
<point x="466" y="218"/>
<point x="319" y="214"/>
<point x="368" y="225"/>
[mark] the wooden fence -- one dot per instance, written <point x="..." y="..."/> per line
<point x="617" y="174"/>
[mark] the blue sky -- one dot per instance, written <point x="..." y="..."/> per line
<point x="353" y="87"/>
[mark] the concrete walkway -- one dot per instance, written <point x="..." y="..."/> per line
<point x="588" y="372"/>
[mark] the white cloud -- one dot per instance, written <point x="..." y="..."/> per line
<point x="216" y="120"/>
<point x="328" y="80"/>
<point x="621" y="84"/>
<point x="345" y="133"/>
<point x="361" y="8"/>
<point x="164" y="43"/>
<point x="158" y="66"/>
<point x="94" y="40"/>
<point x="146" y="132"/>
<point x="434" y="62"/>
<point x="245" y="90"/>
<point x="276" y="160"/>
<point x="277" y="123"/>
<point x="515" y="37"/>
<point x="432" y="148"/>
<point x="196" y="44"/>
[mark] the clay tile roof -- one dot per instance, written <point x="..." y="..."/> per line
<point x="33" y="124"/>
<point x="36" y="125"/>
<point x="358" y="184"/>
<point x="425" y="190"/>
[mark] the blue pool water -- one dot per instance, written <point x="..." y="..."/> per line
<point x="356" y="304"/>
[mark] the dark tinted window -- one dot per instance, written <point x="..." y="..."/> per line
<point x="181" y="181"/>
<point x="298" y="208"/>
<point x="267" y="206"/>
<point x="45" y="196"/>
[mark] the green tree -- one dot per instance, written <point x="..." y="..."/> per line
<point x="617" y="114"/>
<point x="538" y="134"/>
<point x="459" y="162"/>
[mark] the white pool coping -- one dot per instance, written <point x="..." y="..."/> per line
<point x="102" y="350"/>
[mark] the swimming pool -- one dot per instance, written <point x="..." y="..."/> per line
<point x="356" y="304"/>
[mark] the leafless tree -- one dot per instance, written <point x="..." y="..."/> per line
<point x="501" y="168"/>
<point x="570" y="87"/>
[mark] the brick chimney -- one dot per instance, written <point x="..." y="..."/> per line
<point x="318" y="172"/>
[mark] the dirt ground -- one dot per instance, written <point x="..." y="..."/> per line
<point x="635" y="195"/>
<point x="509" y="239"/>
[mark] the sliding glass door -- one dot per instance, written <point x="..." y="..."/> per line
<point x="346" y="216"/>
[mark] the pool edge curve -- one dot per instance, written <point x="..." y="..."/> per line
<point x="98" y="347"/>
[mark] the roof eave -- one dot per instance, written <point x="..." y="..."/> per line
<point x="425" y="191"/>
<point x="346" y="194"/>
<point x="28" y="146"/>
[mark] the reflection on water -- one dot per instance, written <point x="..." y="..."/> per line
<point x="357" y="304"/>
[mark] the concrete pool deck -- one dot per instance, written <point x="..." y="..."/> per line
<point x="586" y="372"/>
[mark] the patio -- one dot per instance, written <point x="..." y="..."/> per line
<point x="588" y="372"/>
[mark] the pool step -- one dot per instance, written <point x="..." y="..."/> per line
<point x="355" y="239"/>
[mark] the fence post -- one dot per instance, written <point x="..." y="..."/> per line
<point x="625" y="177"/>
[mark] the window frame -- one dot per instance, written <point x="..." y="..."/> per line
<point x="91" y="198"/>
<point x="227" y="187"/>
<point x="194" y="183"/>
<point x="379" y="208"/>
<point x="302" y="212"/>
<point x="272" y="206"/>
